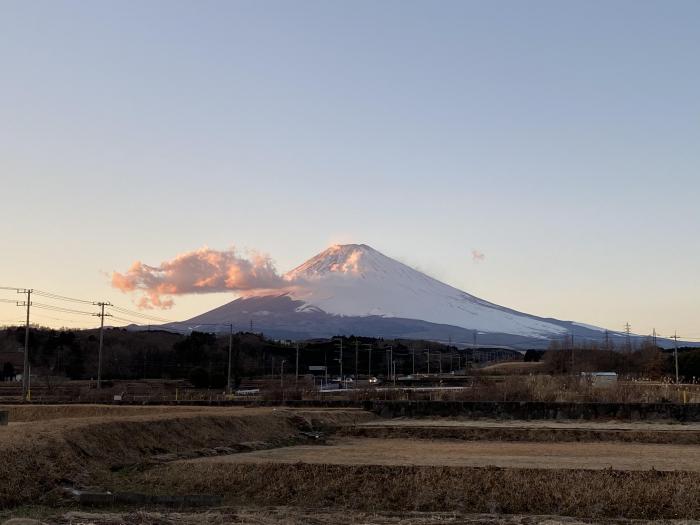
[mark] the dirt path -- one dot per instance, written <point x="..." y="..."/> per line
<point x="566" y="424"/>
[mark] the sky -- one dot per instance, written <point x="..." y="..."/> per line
<point x="557" y="141"/>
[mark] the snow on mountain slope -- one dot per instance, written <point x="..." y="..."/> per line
<point x="356" y="280"/>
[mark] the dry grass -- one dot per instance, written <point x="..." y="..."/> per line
<point x="24" y="413"/>
<point x="305" y="516"/>
<point x="354" y="451"/>
<point x="493" y="432"/>
<point x="37" y="457"/>
<point x="590" y="493"/>
<point x="547" y="388"/>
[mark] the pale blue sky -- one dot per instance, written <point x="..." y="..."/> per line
<point x="561" y="139"/>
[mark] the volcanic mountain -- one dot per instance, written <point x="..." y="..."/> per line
<point x="353" y="289"/>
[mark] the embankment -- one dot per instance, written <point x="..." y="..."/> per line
<point x="37" y="457"/>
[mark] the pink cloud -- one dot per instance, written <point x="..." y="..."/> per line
<point x="199" y="271"/>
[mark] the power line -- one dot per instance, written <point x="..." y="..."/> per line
<point x="55" y="308"/>
<point x="140" y="314"/>
<point x="57" y="297"/>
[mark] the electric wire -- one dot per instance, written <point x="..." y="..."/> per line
<point x="50" y="295"/>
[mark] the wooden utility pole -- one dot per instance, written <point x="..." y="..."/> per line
<point x="26" y="370"/>
<point x="675" y="352"/>
<point x="296" y="370"/>
<point x="357" y="357"/>
<point x="230" y="355"/>
<point x="101" y="315"/>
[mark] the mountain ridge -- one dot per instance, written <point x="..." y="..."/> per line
<point x="353" y="289"/>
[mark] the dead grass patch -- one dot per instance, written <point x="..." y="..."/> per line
<point x="37" y="457"/>
<point x="380" y="488"/>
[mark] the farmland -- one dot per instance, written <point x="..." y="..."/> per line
<point x="283" y="465"/>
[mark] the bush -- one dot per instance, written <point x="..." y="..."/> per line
<point x="199" y="378"/>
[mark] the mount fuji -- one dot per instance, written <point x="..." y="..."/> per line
<point x="353" y="289"/>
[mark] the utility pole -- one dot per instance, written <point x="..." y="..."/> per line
<point x="369" y="361"/>
<point x="653" y="337"/>
<point x="428" y="358"/>
<point x="26" y="370"/>
<point x="357" y="356"/>
<point x="629" y="341"/>
<point x="572" y="353"/>
<point x="101" y="315"/>
<point x="390" y="352"/>
<point x="341" y="360"/>
<point x="282" y="375"/>
<point x="413" y="359"/>
<point x="296" y="372"/>
<point x="230" y="353"/>
<point x="675" y="352"/>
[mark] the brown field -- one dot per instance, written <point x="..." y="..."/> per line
<point x="24" y="413"/>
<point x="36" y="457"/>
<point x="534" y="431"/>
<point x="270" y="468"/>
<point x="402" y="452"/>
<point x="314" y="516"/>
<point x="640" y="494"/>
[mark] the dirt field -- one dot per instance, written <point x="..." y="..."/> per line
<point x="280" y="465"/>
<point x="496" y="423"/>
<point x="529" y="431"/>
<point x="84" y="447"/>
<point x="24" y="413"/>
<point x="353" y="451"/>
<point x="319" y="516"/>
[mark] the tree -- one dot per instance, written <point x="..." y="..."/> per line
<point x="8" y="372"/>
<point x="199" y="377"/>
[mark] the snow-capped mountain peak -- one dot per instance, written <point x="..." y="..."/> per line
<point x="354" y="259"/>
<point x="357" y="280"/>
<point x="354" y="289"/>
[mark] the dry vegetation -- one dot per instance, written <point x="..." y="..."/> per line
<point x="522" y="432"/>
<point x="26" y="413"/>
<point x="122" y="447"/>
<point x="591" y="493"/>
<point x="306" y="516"/>
<point x="36" y="457"/>
<point x="545" y="388"/>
